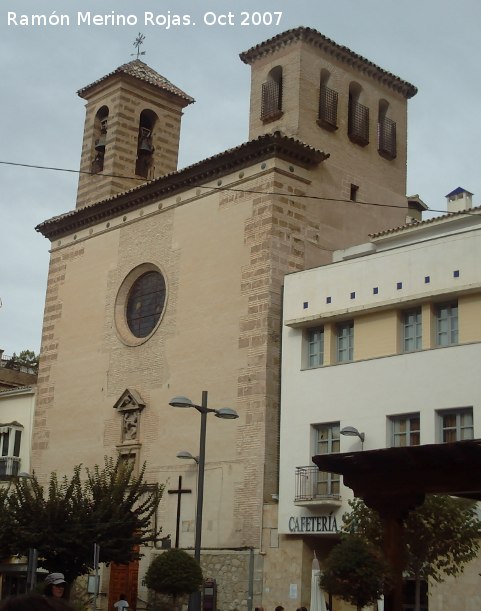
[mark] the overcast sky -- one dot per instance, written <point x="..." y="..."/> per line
<point x="433" y="44"/>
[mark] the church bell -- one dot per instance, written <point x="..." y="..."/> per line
<point x="145" y="142"/>
<point x="100" y="143"/>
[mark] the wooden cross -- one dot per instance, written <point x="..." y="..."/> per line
<point x="178" y="491"/>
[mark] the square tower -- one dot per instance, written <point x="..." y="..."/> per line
<point x="310" y="88"/>
<point x="131" y="133"/>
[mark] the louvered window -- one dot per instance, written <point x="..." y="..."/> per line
<point x="386" y="138"/>
<point x="271" y="106"/>
<point x="358" y="123"/>
<point x="328" y="107"/>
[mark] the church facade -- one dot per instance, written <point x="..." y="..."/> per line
<point x="166" y="282"/>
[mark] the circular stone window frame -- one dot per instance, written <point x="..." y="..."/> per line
<point x="120" y="309"/>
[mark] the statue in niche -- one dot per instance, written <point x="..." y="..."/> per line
<point x="129" y="426"/>
<point x="128" y="406"/>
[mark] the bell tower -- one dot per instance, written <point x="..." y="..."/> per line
<point x="131" y="132"/>
<point x="310" y="88"/>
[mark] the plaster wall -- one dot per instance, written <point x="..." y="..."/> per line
<point x="419" y="271"/>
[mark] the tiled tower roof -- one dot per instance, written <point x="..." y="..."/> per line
<point x="139" y="70"/>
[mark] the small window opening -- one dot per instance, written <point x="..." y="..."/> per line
<point x="354" y="192"/>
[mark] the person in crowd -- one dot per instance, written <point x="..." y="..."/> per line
<point x="55" y="585"/>
<point x="122" y="603"/>
<point x="34" y="602"/>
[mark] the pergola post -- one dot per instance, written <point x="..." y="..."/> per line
<point x="392" y="511"/>
<point x="393" y="481"/>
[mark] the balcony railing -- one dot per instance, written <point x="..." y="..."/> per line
<point x="313" y="486"/>
<point x="9" y="467"/>
<point x="358" y="127"/>
<point x="386" y="138"/>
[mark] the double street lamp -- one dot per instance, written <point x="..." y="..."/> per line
<point x="226" y="413"/>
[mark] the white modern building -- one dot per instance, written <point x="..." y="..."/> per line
<point x="381" y="348"/>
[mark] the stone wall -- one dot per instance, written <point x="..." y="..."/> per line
<point x="231" y="570"/>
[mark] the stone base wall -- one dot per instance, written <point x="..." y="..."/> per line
<point x="232" y="571"/>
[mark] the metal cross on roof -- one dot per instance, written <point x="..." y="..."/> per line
<point x="139" y="41"/>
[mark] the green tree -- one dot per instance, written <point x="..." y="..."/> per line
<point x="440" y="536"/>
<point x="356" y="572"/>
<point x="174" y="573"/>
<point x="110" y="506"/>
<point x="5" y="526"/>
<point x="27" y="359"/>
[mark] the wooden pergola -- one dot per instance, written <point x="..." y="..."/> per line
<point x="393" y="481"/>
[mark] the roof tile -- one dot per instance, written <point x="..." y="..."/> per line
<point x="138" y="69"/>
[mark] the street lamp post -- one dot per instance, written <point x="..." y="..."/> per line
<point x="32" y="552"/>
<point x="228" y="414"/>
<point x="351" y="431"/>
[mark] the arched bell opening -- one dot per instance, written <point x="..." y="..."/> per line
<point x="100" y="138"/>
<point x="145" y="147"/>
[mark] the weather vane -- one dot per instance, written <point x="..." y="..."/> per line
<point x="139" y="41"/>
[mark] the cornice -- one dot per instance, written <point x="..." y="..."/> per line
<point x="330" y="47"/>
<point x="264" y="147"/>
<point x="418" y="225"/>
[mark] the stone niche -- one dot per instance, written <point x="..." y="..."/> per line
<point x="129" y="407"/>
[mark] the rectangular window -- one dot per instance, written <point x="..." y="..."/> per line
<point x="456" y="425"/>
<point x="412" y="330"/>
<point x="16" y="443"/>
<point x="327" y="442"/>
<point x="405" y="430"/>
<point x="315" y="347"/>
<point x="447" y="324"/>
<point x="10" y="438"/>
<point x="4" y="438"/>
<point x="353" y="193"/>
<point x="345" y="341"/>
